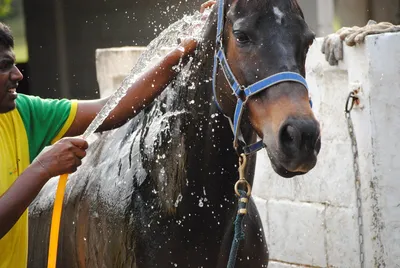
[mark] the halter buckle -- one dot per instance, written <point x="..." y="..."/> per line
<point x="242" y="94"/>
<point x="218" y="44"/>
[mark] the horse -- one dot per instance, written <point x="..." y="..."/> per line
<point x="159" y="191"/>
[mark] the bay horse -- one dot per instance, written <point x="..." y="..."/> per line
<point x="158" y="191"/>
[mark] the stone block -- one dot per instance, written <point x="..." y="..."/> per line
<point x="342" y="237"/>
<point x="262" y="207"/>
<point x="267" y="184"/>
<point x="296" y="232"/>
<point x="273" y="264"/>
<point x="331" y="181"/>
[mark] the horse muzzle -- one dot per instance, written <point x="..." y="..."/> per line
<point x="298" y="143"/>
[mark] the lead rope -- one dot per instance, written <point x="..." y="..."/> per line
<point x="243" y="197"/>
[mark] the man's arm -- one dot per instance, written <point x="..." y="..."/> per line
<point x="62" y="158"/>
<point x="14" y="202"/>
<point x="140" y="94"/>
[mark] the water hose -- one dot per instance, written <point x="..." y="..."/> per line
<point x="55" y="221"/>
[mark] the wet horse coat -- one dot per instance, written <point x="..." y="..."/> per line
<point x="158" y="192"/>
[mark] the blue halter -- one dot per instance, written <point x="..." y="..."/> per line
<point x="241" y="92"/>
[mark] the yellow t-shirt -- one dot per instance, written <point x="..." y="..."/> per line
<point x="24" y="132"/>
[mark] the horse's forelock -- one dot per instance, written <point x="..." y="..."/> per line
<point x="267" y="4"/>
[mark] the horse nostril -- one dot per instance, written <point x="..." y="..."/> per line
<point x="299" y="136"/>
<point x="289" y="137"/>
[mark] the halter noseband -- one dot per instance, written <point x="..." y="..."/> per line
<point x="241" y="92"/>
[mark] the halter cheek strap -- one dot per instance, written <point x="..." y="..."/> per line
<point x="241" y="92"/>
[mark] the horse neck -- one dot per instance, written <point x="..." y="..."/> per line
<point x="212" y="158"/>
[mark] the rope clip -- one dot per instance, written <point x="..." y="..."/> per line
<point x="242" y="180"/>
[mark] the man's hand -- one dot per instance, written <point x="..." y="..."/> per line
<point x="64" y="157"/>
<point x="332" y="46"/>
<point x="206" y="5"/>
<point x="188" y="45"/>
<point x="61" y="158"/>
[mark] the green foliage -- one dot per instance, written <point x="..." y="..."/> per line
<point x="5" y="8"/>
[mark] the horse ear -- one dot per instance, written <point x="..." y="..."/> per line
<point x="295" y="6"/>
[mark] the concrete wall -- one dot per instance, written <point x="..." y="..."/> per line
<point x="114" y="64"/>
<point x="312" y="220"/>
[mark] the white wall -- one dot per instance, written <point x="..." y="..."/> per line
<point x="312" y="220"/>
<point x="114" y="64"/>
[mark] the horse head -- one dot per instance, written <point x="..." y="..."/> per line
<point x="268" y="40"/>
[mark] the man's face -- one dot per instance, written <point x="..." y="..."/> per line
<point x="9" y="78"/>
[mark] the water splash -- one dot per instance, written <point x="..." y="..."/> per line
<point x="189" y="26"/>
<point x="178" y="200"/>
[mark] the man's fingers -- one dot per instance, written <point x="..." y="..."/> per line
<point x="78" y="162"/>
<point x="80" y="153"/>
<point x="78" y="142"/>
<point x="206" y="5"/>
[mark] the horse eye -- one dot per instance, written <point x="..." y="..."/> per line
<point x="241" y="37"/>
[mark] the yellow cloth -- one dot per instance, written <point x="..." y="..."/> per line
<point x="14" y="159"/>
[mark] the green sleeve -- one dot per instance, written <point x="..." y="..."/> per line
<point x="43" y="120"/>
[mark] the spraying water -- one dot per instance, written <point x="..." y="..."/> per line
<point x="189" y="26"/>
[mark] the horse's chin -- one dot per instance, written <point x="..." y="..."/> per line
<point x="280" y="168"/>
<point x="283" y="172"/>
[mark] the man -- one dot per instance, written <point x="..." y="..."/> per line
<point x="28" y="124"/>
<point x="332" y="46"/>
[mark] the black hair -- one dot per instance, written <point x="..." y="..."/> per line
<point x="6" y="38"/>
